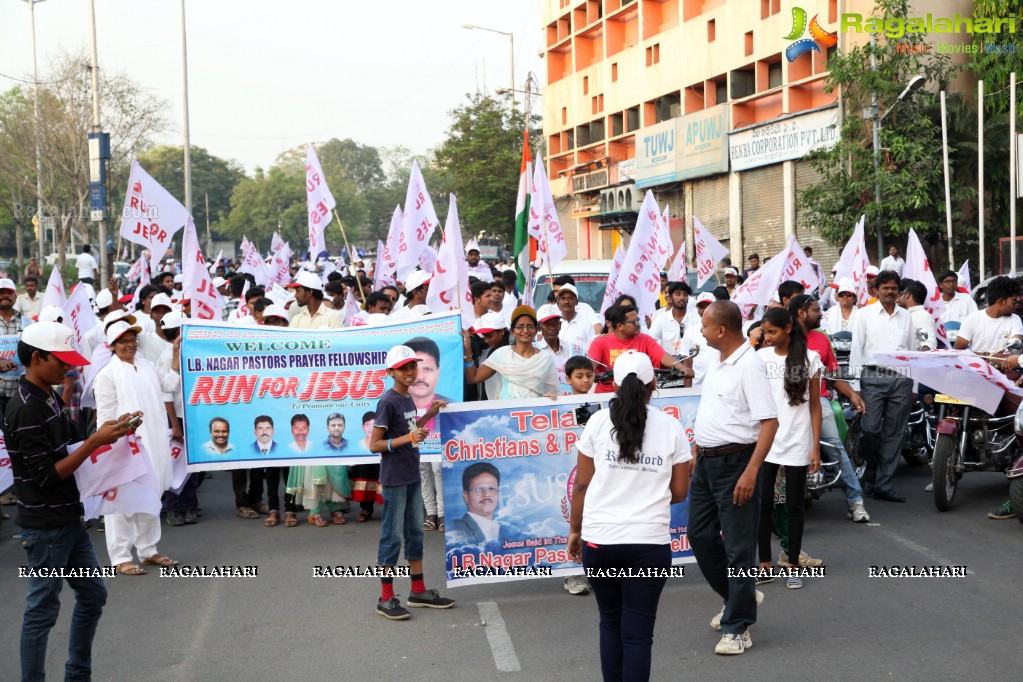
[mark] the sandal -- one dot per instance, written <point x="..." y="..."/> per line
<point x="160" y="560"/>
<point x="338" y="518"/>
<point x="364" y="516"/>
<point x="440" y="524"/>
<point x="430" y="523"/>
<point x="273" y="519"/>
<point x="317" y="520"/>
<point x="290" y="519"/>
<point x="248" y="513"/>
<point x="128" y="568"/>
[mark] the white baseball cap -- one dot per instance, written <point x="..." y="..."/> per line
<point x="846" y="285"/>
<point x="5" y="283"/>
<point x="179" y="279"/>
<point x="872" y="271"/>
<point x="489" y="322"/>
<point x="172" y="320"/>
<point x="104" y="299"/>
<point x="307" y="279"/>
<point x="731" y="271"/>
<point x="416" y="279"/>
<point x="275" y="310"/>
<point x="161" y="300"/>
<point x="421" y="310"/>
<point x="51" y="313"/>
<point x="548" y="311"/>
<point x="705" y="297"/>
<point x="118" y="329"/>
<point x="633" y="362"/>
<point x="570" y="288"/>
<point x="55" y="338"/>
<point x="219" y="282"/>
<point x="400" y="356"/>
<point x="116" y="315"/>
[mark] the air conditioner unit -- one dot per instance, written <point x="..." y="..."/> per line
<point x="621" y="198"/>
<point x="675" y="110"/>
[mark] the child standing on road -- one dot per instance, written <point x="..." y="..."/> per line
<point x="396" y="436"/>
<point x="579" y="373"/>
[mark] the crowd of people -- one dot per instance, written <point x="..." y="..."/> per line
<point x="768" y="378"/>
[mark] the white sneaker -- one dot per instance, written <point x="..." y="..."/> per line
<point x="858" y="513"/>
<point x="732" y="645"/>
<point x="929" y="488"/>
<point x="715" y="622"/>
<point x="576" y="584"/>
<point x="804" y="559"/>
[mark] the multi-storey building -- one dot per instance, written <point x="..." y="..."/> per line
<point x="698" y="101"/>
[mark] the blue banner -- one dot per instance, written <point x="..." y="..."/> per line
<point x="272" y="396"/>
<point x="531" y="443"/>
<point x="9" y="351"/>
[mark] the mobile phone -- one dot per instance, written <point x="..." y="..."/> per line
<point x="135" y="421"/>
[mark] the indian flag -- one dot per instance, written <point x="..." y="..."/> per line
<point x="521" y="244"/>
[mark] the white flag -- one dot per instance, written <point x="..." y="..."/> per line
<point x="427" y="258"/>
<point x="709" y="252"/>
<point x="78" y="313"/>
<point x="963" y="284"/>
<point x="111" y="465"/>
<point x="543" y="224"/>
<point x="417" y="225"/>
<point x="253" y="263"/>
<point x="760" y="287"/>
<point x="197" y="286"/>
<point x="640" y="275"/>
<point x="54" y="294"/>
<point x="677" y="271"/>
<point x="449" y="286"/>
<point x="144" y="280"/>
<point x="799" y="268"/>
<point x="352" y="309"/>
<point x="383" y="269"/>
<point x="179" y="465"/>
<point x="151" y="216"/>
<point x="280" y="265"/>
<point x="853" y="262"/>
<point x="276" y="243"/>
<point x="141" y="495"/>
<point x="611" y="292"/>
<point x="917" y="267"/>
<point x="319" y="203"/>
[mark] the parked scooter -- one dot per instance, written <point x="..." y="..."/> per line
<point x="969" y="439"/>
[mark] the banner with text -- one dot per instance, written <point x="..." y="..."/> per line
<point x="271" y="396"/>
<point x="523" y="527"/>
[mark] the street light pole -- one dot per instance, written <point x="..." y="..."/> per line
<point x="104" y="256"/>
<point x="188" y="146"/>
<point x="35" y="120"/>
<point x="511" y="55"/>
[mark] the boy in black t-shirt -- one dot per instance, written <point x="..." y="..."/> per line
<point x="396" y="436"/>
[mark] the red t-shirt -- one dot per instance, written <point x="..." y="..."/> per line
<point x="821" y="344"/>
<point x="606" y="349"/>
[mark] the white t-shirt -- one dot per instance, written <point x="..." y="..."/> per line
<point x="706" y="358"/>
<point x="667" y="331"/>
<point x="631" y="503"/>
<point x="988" y="334"/>
<point x="793" y="441"/>
<point x="86" y="265"/>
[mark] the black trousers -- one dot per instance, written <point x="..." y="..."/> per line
<point x="248" y="487"/>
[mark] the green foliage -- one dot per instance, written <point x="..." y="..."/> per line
<point x="481" y="157"/>
<point x="994" y="67"/>
<point x="910" y="169"/>
<point x="269" y="201"/>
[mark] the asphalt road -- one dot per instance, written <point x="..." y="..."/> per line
<point x="286" y="624"/>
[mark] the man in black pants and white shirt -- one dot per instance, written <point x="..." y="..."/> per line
<point x="735" y="427"/>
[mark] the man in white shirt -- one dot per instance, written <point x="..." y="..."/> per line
<point x="734" y="429"/>
<point x="879" y="327"/>
<point x="578" y="327"/>
<point x="912" y="298"/>
<point x="86" y="265"/>
<point x="990" y="330"/>
<point x="707" y="357"/>
<point x="958" y="306"/>
<point x="477" y="268"/>
<point x="669" y="327"/>
<point x="550" y="319"/>
<point x="893" y="261"/>
<point x="313" y="314"/>
<point x="31" y="302"/>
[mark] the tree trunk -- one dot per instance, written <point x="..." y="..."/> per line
<point x="19" y="246"/>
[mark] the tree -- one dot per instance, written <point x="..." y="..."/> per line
<point x="130" y="114"/>
<point x="481" y="157"/>
<point x="16" y="202"/>
<point x="269" y="201"/>
<point x="211" y="175"/>
<point x="910" y="172"/>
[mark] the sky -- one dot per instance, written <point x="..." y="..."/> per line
<point x="268" y="75"/>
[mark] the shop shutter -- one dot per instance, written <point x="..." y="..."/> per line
<point x="824" y="252"/>
<point x="710" y="205"/>
<point x="569" y="226"/>
<point x="763" y="222"/>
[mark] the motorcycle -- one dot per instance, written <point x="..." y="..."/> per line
<point x="830" y="472"/>
<point x="969" y="439"/>
<point x="841" y="342"/>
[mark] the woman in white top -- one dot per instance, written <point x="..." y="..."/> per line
<point x="840" y="317"/>
<point x="128" y="383"/>
<point x="525" y="370"/>
<point x="633" y="464"/>
<point x="794" y="373"/>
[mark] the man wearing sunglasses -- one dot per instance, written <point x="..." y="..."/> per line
<point x="623" y="326"/>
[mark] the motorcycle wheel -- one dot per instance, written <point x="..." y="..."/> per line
<point x="915" y="453"/>
<point x="1016" y="497"/>
<point x="946" y="478"/>
<point x="852" y="448"/>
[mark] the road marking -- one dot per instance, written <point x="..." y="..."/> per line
<point x="500" y="641"/>
<point x="920" y="549"/>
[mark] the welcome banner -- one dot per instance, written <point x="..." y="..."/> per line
<point x="531" y="445"/>
<point x="271" y="396"/>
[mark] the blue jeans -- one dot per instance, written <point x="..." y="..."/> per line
<point x="829" y="434"/>
<point x="628" y="607"/>
<point x="723" y="535"/>
<point x="402" y="517"/>
<point x="65" y="547"/>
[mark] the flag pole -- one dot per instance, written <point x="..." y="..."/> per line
<point x="358" y="280"/>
